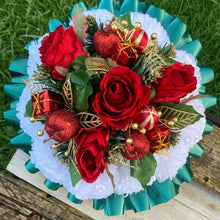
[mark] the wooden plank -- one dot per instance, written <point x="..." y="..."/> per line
<point x="206" y="168"/>
<point x="194" y="201"/>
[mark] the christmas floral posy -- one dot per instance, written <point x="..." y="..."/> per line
<point x="120" y="113"/>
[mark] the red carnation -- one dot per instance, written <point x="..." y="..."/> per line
<point x="121" y="97"/>
<point x="59" y="49"/>
<point x="178" y="80"/>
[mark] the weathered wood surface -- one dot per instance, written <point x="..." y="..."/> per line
<point x="206" y="169"/>
<point x="19" y="200"/>
<point x="193" y="202"/>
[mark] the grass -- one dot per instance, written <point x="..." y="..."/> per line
<point x="23" y="20"/>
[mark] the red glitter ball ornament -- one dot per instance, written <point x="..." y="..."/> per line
<point x="62" y="125"/>
<point x="148" y="118"/>
<point x="105" y="41"/>
<point x="139" y="147"/>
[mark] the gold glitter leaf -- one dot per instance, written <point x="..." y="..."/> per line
<point x="180" y="115"/>
<point x="99" y="64"/>
<point x="68" y="95"/>
<point x="88" y="120"/>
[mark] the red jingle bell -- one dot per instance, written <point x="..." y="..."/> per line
<point x="148" y="117"/>
<point x="139" y="147"/>
<point x="105" y="41"/>
<point x="62" y="125"/>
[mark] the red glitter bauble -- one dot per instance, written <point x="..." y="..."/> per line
<point x="139" y="148"/>
<point x="105" y="41"/>
<point x="148" y="118"/>
<point x="62" y="125"/>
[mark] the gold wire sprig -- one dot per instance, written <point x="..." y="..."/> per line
<point x="88" y="120"/>
<point x="43" y="72"/>
<point x="68" y="94"/>
<point x="176" y="119"/>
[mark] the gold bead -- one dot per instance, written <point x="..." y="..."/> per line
<point x="137" y="25"/>
<point x="175" y="119"/>
<point x="55" y="146"/>
<point x="153" y="36"/>
<point x="114" y="27"/>
<point x="159" y="114"/>
<point x="108" y="23"/>
<point x="129" y="140"/>
<point x="124" y="23"/>
<point x="142" y="130"/>
<point x="126" y="31"/>
<point x="67" y="153"/>
<point x="32" y="119"/>
<point x="40" y="133"/>
<point x="134" y="125"/>
<point x="171" y="123"/>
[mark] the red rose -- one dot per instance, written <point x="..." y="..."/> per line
<point x="92" y="145"/>
<point x="178" y="80"/>
<point x="121" y="97"/>
<point x="59" y="49"/>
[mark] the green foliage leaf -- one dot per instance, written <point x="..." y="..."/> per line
<point x="80" y="25"/>
<point x="144" y="173"/>
<point x="29" y="109"/>
<point x="126" y="17"/>
<point x="74" y="174"/>
<point x="81" y="91"/>
<point x="78" y="63"/>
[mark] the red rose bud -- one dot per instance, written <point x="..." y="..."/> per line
<point x="62" y="125"/>
<point x="178" y="80"/>
<point x="105" y="41"/>
<point x="148" y="117"/>
<point x="159" y="138"/>
<point x="90" y="156"/>
<point x="121" y="97"/>
<point x="59" y="49"/>
<point x="46" y="102"/>
<point x="139" y="147"/>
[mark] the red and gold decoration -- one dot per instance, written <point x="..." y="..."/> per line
<point x="136" y="146"/>
<point x="148" y="117"/>
<point x="159" y="138"/>
<point x="62" y="125"/>
<point x="46" y="102"/>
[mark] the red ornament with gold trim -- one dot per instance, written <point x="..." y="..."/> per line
<point x="128" y="51"/>
<point x="62" y="125"/>
<point x="138" y="147"/>
<point x="148" y="117"/>
<point x="159" y="138"/>
<point x="46" y="102"/>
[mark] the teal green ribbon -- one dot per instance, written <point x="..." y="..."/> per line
<point x="51" y="185"/>
<point x="31" y="167"/>
<point x="72" y="198"/>
<point x="157" y="193"/>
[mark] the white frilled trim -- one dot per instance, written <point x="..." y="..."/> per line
<point x="167" y="166"/>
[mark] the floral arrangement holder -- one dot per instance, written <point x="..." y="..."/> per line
<point x="110" y="105"/>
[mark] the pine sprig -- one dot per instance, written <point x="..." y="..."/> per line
<point x="151" y="65"/>
<point x="92" y="28"/>
<point x="43" y="76"/>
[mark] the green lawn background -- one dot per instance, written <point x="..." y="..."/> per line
<point x="23" y="20"/>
